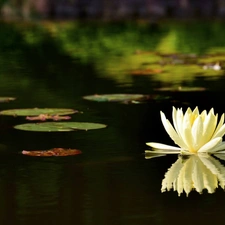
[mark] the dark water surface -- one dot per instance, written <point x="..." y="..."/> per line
<point x="111" y="182"/>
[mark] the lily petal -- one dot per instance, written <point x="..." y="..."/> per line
<point x="220" y="132"/>
<point x="197" y="130"/>
<point x="179" y="122"/>
<point x="172" y="133"/>
<point x="210" y="145"/>
<point x="219" y="148"/>
<point x="162" y="146"/>
<point x="220" y="124"/>
<point x="209" y="126"/>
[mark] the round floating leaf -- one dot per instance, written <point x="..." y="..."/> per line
<point x="6" y="99"/>
<point x="59" y="126"/>
<point x="37" y="111"/>
<point x="52" y="152"/>
<point x="116" y="97"/>
<point x="181" y="89"/>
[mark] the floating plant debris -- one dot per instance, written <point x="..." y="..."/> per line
<point x="146" y="72"/>
<point x="124" y="98"/>
<point x="52" y="152"/>
<point x="59" y="126"/>
<point x="37" y="112"/>
<point x="6" y="99"/>
<point x="44" y="117"/>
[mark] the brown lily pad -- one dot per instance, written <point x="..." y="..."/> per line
<point x="52" y="152"/>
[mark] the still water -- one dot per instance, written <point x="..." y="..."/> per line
<point x="111" y="182"/>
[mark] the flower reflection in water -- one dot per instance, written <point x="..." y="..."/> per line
<point x="199" y="136"/>
<point x="194" y="172"/>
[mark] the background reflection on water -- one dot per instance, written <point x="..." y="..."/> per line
<point x="111" y="182"/>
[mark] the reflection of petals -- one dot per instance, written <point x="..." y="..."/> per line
<point x="151" y="154"/>
<point x="197" y="172"/>
<point x="220" y="156"/>
<point x="171" y="176"/>
<point x="216" y="168"/>
<point x="187" y="178"/>
<point x="198" y="182"/>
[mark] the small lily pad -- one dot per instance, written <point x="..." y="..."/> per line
<point x="181" y="89"/>
<point x="52" y="152"/>
<point x="37" y="112"/>
<point x="127" y="98"/>
<point x="59" y="126"/>
<point x="7" y="99"/>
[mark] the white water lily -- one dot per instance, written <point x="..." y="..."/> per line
<point x="193" y="132"/>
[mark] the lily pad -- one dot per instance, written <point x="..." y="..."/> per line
<point x="52" y="152"/>
<point x="37" y="112"/>
<point x="59" y="126"/>
<point x="128" y="98"/>
<point x="181" y="89"/>
<point x="7" y="99"/>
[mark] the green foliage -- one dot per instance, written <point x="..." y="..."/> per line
<point x="112" y="50"/>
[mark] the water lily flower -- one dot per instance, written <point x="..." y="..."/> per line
<point x="193" y="132"/>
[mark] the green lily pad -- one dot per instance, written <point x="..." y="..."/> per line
<point x="181" y="89"/>
<point x="37" y="112"/>
<point x="6" y="99"/>
<point x="128" y="98"/>
<point x="59" y="126"/>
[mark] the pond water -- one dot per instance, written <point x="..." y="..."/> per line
<point x="55" y="64"/>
